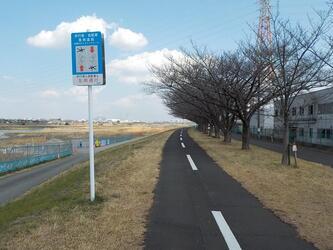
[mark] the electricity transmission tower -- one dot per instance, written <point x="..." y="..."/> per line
<point x="264" y="27"/>
<point x="264" y="36"/>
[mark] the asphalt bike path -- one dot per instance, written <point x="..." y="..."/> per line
<point x="199" y="206"/>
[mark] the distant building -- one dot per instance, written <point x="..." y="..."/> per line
<point x="266" y="120"/>
<point x="311" y="118"/>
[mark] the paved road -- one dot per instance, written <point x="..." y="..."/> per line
<point x="199" y="206"/>
<point x="324" y="157"/>
<point x="16" y="184"/>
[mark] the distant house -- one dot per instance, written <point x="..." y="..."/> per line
<point x="56" y="121"/>
<point x="311" y="118"/>
<point x="265" y="118"/>
<point x="113" y="121"/>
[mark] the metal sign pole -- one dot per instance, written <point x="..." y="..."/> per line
<point x="88" y="69"/>
<point x="91" y="144"/>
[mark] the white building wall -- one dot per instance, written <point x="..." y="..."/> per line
<point x="320" y="122"/>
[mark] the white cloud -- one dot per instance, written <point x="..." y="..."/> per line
<point x="135" y="107"/>
<point x="122" y="38"/>
<point x="126" y="39"/>
<point x="80" y="93"/>
<point x="135" y="69"/>
<point x="6" y="77"/>
<point x="76" y="91"/>
<point x="59" y="37"/>
<point x="129" y="101"/>
<point x="49" y="93"/>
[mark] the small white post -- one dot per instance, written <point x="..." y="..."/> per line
<point x="91" y="144"/>
<point x="295" y="153"/>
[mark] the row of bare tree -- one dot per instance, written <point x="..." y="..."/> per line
<point x="215" y="89"/>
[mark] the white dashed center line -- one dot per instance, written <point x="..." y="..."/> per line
<point x="183" y="145"/>
<point x="226" y="231"/>
<point x="193" y="166"/>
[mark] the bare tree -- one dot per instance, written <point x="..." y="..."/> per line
<point x="226" y="85"/>
<point x="217" y="88"/>
<point x="297" y="65"/>
<point x="239" y="77"/>
<point x="187" y="82"/>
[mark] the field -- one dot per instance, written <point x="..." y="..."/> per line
<point x="300" y="196"/>
<point x="40" y="134"/>
<point x="58" y="215"/>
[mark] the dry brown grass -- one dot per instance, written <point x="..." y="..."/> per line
<point x="80" y="130"/>
<point x="301" y="196"/>
<point x="125" y="181"/>
<point x="23" y="140"/>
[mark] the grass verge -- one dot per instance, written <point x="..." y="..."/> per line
<point x="300" y="196"/>
<point x="58" y="215"/>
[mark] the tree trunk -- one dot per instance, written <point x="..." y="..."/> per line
<point x="285" y="152"/>
<point x="217" y="132"/>
<point x="199" y="127"/>
<point x="246" y="136"/>
<point x="205" y="128"/>
<point x="226" y="136"/>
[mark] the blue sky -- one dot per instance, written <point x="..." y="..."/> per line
<point x="35" y="70"/>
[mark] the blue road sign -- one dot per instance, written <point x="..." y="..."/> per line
<point x="88" y="63"/>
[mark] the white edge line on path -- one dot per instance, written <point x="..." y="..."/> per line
<point x="193" y="166"/>
<point x="183" y="145"/>
<point x="226" y="231"/>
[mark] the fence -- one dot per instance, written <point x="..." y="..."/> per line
<point x="18" y="157"/>
<point x="320" y="137"/>
<point x="101" y="141"/>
